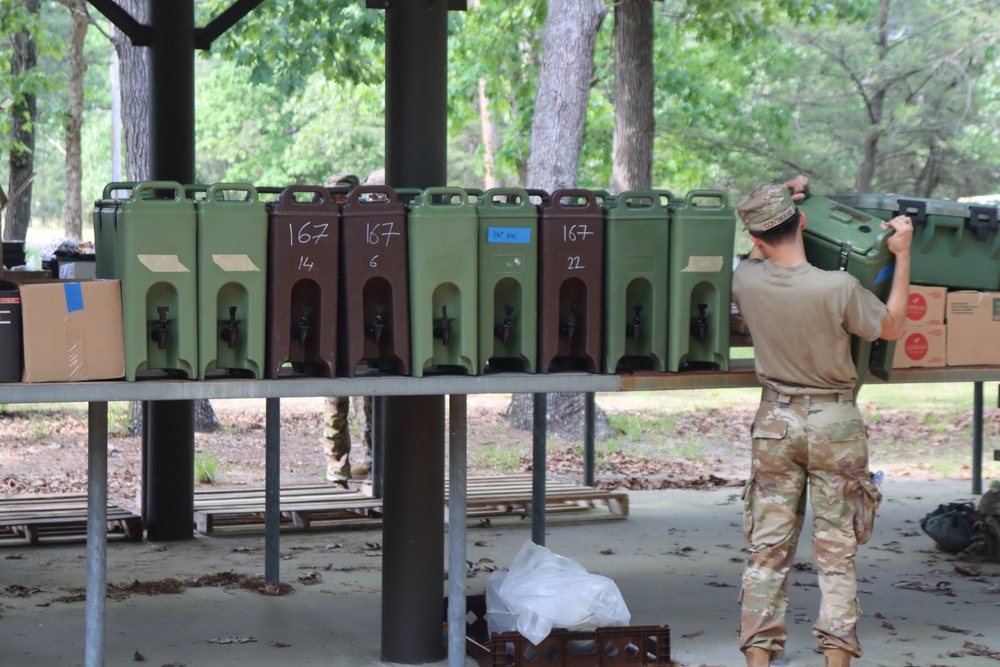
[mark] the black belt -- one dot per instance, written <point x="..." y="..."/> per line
<point x="769" y="394"/>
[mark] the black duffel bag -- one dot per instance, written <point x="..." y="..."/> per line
<point x="950" y="525"/>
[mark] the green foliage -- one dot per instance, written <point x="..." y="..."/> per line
<point x="743" y="91"/>
<point x="251" y="133"/>
<point x="15" y="17"/>
<point x="500" y="45"/>
<point x="737" y="22"/>
<point x="119" y="414"/>
<point x="283" y="42"/>
<point x="912" y="90"/>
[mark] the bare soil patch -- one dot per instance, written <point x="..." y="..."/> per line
<point x="44" y="448"/>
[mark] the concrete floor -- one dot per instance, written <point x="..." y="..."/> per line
<point x="677" y="561"/>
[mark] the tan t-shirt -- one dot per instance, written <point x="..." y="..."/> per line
<point x="801" y="319"/>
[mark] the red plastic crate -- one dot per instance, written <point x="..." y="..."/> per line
<point x="636" y="645"/>
<point x="645" y="645"/>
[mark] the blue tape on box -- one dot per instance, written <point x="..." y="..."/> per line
<point x="74" y="297"/>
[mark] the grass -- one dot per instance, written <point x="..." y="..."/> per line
<point x="499" y="457"/>
<point x="118" y="418"/>
<point x="206" y="467"/>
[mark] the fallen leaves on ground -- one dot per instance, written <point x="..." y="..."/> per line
<point x="980" y="651"/>
<point x="940" y="588"/>
<point x="170" y="586"/>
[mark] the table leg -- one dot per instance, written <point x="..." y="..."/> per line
<point x="977" y="438"/>
<point x="457" y="516"/>
<point x="538" y="469"/>
<point x="272" y="490"/>
<point x="97" y="531"/>
<point x="589" y="437"/>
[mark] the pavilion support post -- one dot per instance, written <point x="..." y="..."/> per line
<point x="170" y="447"/>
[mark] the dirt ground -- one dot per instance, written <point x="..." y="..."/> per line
<point x="44" y="447"/>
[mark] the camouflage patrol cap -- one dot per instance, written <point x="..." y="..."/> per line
<point x="341" y="179"/>
<point x="765" y="207"/>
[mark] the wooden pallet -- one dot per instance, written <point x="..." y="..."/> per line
<point x="59" y="517"/>
<point x="312" y="505"/>
<point x="302" y="507"/>
<point x="511" y="495"/>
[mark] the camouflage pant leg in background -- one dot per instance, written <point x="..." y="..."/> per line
<point x="823" y="449"/>
<point x="363" y="413"/>
<point x="337" y="443"/>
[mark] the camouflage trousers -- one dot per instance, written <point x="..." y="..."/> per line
<point x="797" y="447"/>
<point x="337" y="434"/>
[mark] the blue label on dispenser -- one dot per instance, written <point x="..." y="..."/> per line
<point x="74" y="297"/>
<point x="508" y="235"/>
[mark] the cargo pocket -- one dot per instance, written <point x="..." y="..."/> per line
<point x="747" y="496"/>
<point x="846" y="431"/>
<point x="868" y="501"/>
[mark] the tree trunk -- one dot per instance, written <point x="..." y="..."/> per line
<point x="554" y="160"/>
<point x="133" y="63"/>
<point x="563" y="91"/>
<point x="73" y="206"/>
<point x="22" y="120"/>
<point x="632" y="144"/>
<point x="487" y="128"/>
<point x="564" y="416"/>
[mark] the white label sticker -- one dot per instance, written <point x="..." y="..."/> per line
<point x="703" y="264"/>
<point x="163" y="263"/>
<point x="234" y="262"/>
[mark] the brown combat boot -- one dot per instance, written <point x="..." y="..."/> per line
<point x="758" y="657"/>
<point x="837" y="657"/>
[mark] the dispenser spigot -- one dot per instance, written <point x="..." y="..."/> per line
<point x="699" y="327"/>
<point x="301" y="331"/>
<point x="502" y="330"/>
<point x="159" y="333"/>
<point x="374" y="330"/>
<point x="568" y="328"/>
<point x="442" y="329"/>
<point x="230" y="331"/>
<point x="632" y="330"/>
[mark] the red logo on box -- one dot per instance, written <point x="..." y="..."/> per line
<point x="917" y="308"/>
<point x="916" y="346"/>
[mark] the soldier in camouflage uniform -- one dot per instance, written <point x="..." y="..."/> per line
<point x="808" y="433"/>
<point x="337" y="434"/>
<point x="336" y="409"/>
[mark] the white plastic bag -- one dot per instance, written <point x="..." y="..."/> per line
<point x="543" y="590"/>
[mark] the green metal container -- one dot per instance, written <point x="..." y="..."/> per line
<point x="508" y="281"/>
<point x="955" y="245"/>
<point x="157" y="265"/>
<point x="838" y="237"/>
<point x="636" y="241"/>
<point x="106" y="212"/>
<point x="700" y="294"/>
<point x="232" y="280"/>
<point x="444" y="289"/>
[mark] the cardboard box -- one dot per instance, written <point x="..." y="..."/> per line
<point x="921" y="347"/>
<point x="10" y="333"/>
<point x="973" y="321"/>
<point x="926" y="305"/>
<point x="72" y="331"/>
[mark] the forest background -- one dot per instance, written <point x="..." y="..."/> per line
<point x="862" y="95"/>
